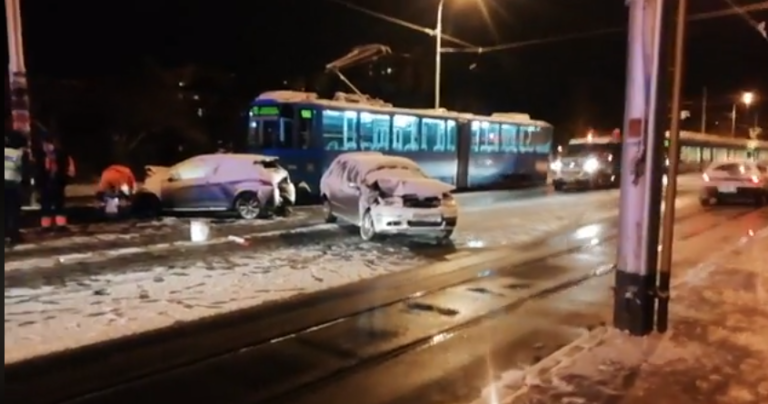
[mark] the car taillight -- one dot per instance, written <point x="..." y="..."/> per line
<point x="755" y="179"/>
<point x="705" y="177"/>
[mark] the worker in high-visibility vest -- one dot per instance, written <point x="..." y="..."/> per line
<point x="53" y="170"/>
<point x="16" y="173"/>
<point x="117" y="183"/>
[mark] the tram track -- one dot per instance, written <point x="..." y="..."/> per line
<point x="237" y="373"/>
<point x="131" y="359"/>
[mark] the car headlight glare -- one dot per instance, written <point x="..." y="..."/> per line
<point x="591" y="165"/>
<point x="556" y="165"/>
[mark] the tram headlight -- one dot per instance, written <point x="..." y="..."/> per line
<point x="591" y="165"/>
<point x="556" y="165"/>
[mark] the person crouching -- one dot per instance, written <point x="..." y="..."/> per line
<point x="53" y="170"/>
<point x="117" y="183"/>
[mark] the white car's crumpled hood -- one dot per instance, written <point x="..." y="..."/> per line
<point x="155" y="175"/>
<point x="404" y="182"/>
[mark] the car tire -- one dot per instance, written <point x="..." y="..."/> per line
<point x="247" y="206"/>
<point x="445" y="237"/>
<point x="146" y="205"/>
<point x="761" y="200"/>
<point x="328" y="211"/>
<point x="367" y="227"/>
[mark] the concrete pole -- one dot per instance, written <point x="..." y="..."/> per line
<point x="639" y="225"/>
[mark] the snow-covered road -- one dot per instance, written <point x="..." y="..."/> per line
<point x="86" y="302"/>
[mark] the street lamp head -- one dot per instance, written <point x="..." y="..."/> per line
<point x="747" y="98"/>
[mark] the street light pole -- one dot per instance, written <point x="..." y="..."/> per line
<point x="673" y="154"/>
<point x="639" y="206"/>
<point x="438" y="51"/>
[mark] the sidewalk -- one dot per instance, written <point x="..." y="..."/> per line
<point x="715" y="352"/>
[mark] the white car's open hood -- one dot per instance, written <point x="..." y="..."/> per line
<point x="404" y="182"/>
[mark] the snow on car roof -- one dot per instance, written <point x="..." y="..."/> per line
<point x="372" y="161"/>
<point x="357" y="102"/>
<point x="250" y="158"/>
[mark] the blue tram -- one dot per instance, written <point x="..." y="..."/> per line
<point x="466" y="150"/>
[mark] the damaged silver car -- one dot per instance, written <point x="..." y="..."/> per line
<point x="387" y="195"/>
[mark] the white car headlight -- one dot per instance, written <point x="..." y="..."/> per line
<point x="591" y="165"/>
<point x="556" y="165"/>
<point x="448" y="200"/>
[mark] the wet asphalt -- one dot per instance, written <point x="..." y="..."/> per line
<point x="444" y="345"/>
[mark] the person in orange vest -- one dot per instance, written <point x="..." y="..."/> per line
<point x="117" y="181"/>
<point x="53" y="170"/>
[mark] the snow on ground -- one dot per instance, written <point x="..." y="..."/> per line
<point x="714" y="352"/>
<point x="84" y="311"/>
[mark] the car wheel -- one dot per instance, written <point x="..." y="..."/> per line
<point x="247" y="205"/>
<point x="445" y="237"/>
<point x="761" y="200"/>
<point x="367" y="227"/>
<point x="145" y="204"/>
<point x="328" y="211"/>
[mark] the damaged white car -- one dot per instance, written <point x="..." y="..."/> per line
<point x="386" y="195"/>
<point x="247" y="184"/>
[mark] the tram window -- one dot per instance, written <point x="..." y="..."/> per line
<point x="545" y="143"/>
<point x="508" y="138"/>
<point x="253" y="140"/>
<point x="433" y="135"/>
<point x="475" y="145"/>
<point x="340" y="130"/>
<point x="270" y="133"/>
<point x="305" y="128"/>
<point x="405" y="133"/>
<point x="374" y="131"/>
<point x="451" y="136"/>
<point x="489" y="137"/>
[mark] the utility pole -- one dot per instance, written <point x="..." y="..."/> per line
<point x="637" y="259"/>
<point x="703" y="111"/>
<point x="668" y="226"/>
<point x="17" y="69"/>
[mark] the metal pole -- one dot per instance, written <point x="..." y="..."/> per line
<point x="438" y="51"/>
<point x="733" y="120"/>
<point x="637" y="252"/>
<point x="668" y="226"/>
<point x="704" y="111"/>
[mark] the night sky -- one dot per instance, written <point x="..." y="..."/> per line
<point x="265" y="42"/>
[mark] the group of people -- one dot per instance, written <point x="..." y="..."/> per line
<point x="40" y="165"/>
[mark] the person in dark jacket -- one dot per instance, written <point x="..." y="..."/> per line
<point x="17" y="167"/>
<point x="53" y="170"/>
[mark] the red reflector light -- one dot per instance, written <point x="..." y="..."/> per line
<point x="706" y="177"/>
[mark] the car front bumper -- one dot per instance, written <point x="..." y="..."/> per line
<point x="414" y="221"/>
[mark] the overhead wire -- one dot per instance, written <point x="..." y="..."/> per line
<point x="739" y="10"/>
<point x="403" y="23"/>
<point x="468" y="47"/>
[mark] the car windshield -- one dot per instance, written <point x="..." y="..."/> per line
<point x="586" y="149"/>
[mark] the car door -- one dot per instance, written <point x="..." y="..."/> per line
<point x="189" y="185"/>
<point x="349" y="193"/>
